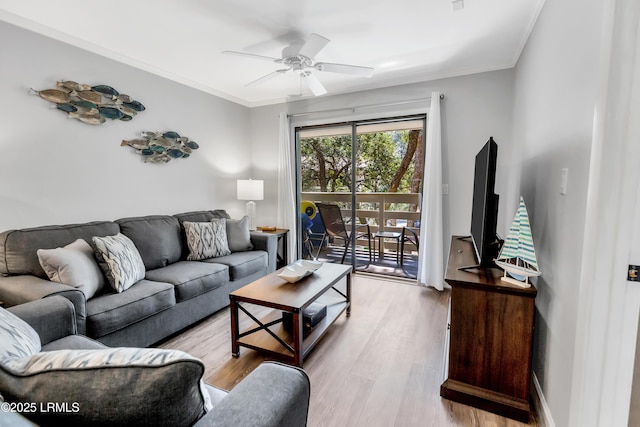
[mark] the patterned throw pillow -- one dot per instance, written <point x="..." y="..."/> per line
<point x="73" y="265"/>
<point x="206" y="239"/>
<point x="17" y="338"/>
<point x="120" y="260"/>
<point x="113" y="386"/>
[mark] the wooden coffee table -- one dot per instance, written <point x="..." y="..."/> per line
<point x="268" y="334"/>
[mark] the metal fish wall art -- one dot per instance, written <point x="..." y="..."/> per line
<point x="90" y="104"/>
<point x="162" y="147"/>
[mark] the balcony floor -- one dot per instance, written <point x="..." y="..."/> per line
<point x="386" y="266"/>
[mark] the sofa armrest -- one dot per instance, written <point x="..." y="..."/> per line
<point x="273" y="395"/>
<point x="21" y="289"/>
<point x="52" y="318"/>
<point x="269" y="243"/>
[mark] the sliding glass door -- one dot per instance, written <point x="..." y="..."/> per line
<point x="359" y="186"/>
<point x="326" y="192"/>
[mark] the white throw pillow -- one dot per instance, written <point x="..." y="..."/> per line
<point x="120" y="260"/>
<point x="73" y="265"/>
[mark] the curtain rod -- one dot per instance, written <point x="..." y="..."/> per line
<point x="361" y="107"/>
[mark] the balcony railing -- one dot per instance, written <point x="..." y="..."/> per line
<point x="382" y="211"/>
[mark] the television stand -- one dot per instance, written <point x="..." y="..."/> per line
<point x="469" y="267"/>
<point x="495" y="246"/>
<point x="490" y="339"/>
<point x="480" y="268"/>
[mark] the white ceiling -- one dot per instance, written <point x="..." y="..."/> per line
<point x="404" y="40"/>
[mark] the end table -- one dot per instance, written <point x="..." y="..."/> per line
<point x="281" y="257"/>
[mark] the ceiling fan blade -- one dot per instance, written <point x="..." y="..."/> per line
<point x="314" y="44"/>
<point x="251" y="55"/>
<point x="267" y="77"/>
<point x="354" y="70"/>
<point x="313" y="83"/>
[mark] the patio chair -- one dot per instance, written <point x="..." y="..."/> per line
<point x="336" y="227"/>
<point x="408" y="236"/>
<point x="307" y="246"/>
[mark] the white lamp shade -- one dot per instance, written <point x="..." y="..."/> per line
<point x="250" y="189"/>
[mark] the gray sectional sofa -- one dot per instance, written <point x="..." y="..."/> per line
<point x="174" y="293"/>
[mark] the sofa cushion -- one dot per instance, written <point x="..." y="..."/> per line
<point x="238" y="235"/>
<point x="158" y="238"/>
<point x="17" y="338"/>
<point x="191" y="278"/>
<point x="18" y="248"/>
<point x="110" y="312"/>
<point x="113" y="386"/>
<point x="242" y="264"/>
<point x="120" y="260"/>
<point x="215" y="394"/>
<point x="73" y="265"/>
<point x="201" y="216"/>
<point x="206" y="239"/>
<point x="73" y="342"/>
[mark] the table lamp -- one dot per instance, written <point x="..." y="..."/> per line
<point x="251" y="189"/>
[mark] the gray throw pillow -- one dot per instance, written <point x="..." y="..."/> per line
<point x="73" y="265"/>
<point x="120" y="260"/>
<point x="114" y="386"/>
<point x="206" y="239"/>
<point x="238" y="235"/>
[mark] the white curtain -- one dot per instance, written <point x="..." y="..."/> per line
<point x="431" y="257"/>
<point x="286" y="188"/>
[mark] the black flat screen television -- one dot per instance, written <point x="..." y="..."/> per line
<point x="484" y="213"/>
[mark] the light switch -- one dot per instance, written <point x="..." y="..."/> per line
<point x="564" y="179"/>
<point x="445" y="188"/>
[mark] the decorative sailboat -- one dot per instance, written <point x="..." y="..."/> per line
<point x="518" y="257"/>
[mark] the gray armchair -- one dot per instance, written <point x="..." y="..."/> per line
<point x="273" y="394"/>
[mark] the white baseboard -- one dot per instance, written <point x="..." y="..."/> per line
<point x="539" y="402"/>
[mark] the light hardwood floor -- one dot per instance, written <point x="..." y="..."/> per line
<point x="382" y="366"/>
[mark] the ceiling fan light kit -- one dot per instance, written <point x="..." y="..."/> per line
<point x="298" y="57"/>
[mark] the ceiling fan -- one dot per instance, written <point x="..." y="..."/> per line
<point x="298" y="57"/>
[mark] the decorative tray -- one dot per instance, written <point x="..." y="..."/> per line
<point x="299" y="269"/>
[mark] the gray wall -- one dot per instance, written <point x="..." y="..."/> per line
<point x="59" y="170"/>
<point x="555" y="93"/>
<point x="264" y="159"/>
<point x="475" y="107"/>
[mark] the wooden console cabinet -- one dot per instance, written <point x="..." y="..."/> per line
<point x="490" y="338"/>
